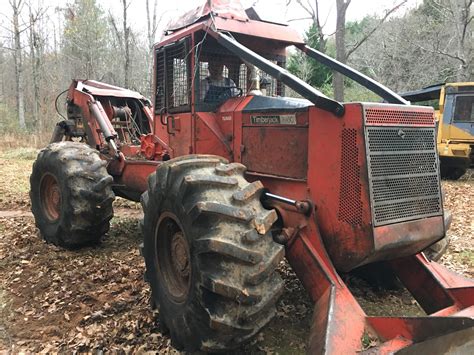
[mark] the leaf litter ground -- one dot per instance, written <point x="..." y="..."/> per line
<point x="95" y="298"/>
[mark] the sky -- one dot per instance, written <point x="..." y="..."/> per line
<point x="272" y="10"/>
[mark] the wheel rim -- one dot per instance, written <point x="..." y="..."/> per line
<point x="173" y="258"/>
<point x="50" y="197"/>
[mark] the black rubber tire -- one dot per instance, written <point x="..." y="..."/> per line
<point x="452" y="173"/>
<point x="437" y="250"/>
<point x="86" y="196"/>
<point x="233" y="283"/>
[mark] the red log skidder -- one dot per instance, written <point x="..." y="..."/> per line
<point x="233" y="176"/>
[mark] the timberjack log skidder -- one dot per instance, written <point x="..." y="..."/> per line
<point x="234" y="178"/>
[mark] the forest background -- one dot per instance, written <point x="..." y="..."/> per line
<point x="42" y="47"/>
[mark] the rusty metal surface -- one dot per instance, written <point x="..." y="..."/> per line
<point x="265" y="30"/>
<point x="332" y="331"/>
<point x="50" y="194"/>
<point x="339" y="185"/>
<point x="407" y="238"/>
<point x="102" y="89"/>
<point x="432" y="285"/>
<point x="213" y="134"/>
<point x="133" y="180"/>
<point x="276" y="143"/>
<point x="228" y="9"/>
<point x="229" y="15"/>
<point x="180" y="132"/>
<point x="277" y="151"/>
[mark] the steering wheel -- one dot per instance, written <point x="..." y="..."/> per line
<point x="227" y="93"/>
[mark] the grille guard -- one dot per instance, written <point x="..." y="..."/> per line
<point x="403" y="164"/>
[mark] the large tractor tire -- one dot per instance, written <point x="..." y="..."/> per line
<point x="210" y="258"/>
<point x="71" y="194"/>
<point x="438" y="249"/>
<point x="452" y="173"/>
<point x="453" y="168"/>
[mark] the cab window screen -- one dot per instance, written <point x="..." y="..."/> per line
<point x="173" y="84"/>
<point x="463" y="111"/>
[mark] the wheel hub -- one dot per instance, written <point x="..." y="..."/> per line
<point x="179" y="254"/>
<point x="50" y="197"/>
<point x="173" y="258"/>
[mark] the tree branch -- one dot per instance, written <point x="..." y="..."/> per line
<point x="440" y="51"/>
<point x="371" y="32"/>
<point x="7" y="48"/>
<point x="308" y="8"/>
<point x="116" y="31"/>
<point x="300" y="19"/>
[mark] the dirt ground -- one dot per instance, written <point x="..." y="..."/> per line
<point x="95" y="298"/>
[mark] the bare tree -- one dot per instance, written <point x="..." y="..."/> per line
<point x="123" y="38"/>
<point x="337" y="78"/>
<point x="152" y="24"/>
<point x="461" y="11"/>
<point x="16" y="6"/>
<point x="126" y="35"/>
<point x="454" y="34"/>
<point x="84" y="39"/>
<point x="35" y="59"/>
<point x="342" y="53"/>
<point x="312" y="11"/>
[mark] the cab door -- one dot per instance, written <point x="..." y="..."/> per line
<point x="173" y="121"/>
<point x="463" y="117"/>
<point x="459" y="113"/>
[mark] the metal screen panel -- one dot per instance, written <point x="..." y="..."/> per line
<point x="400" y="116"/>
<point x="177" y="77"/>
<point x="350" y="204"/>
<point x="160" y="98"/>
<point x="172" y="79"/>
<point x="403" y="173"/>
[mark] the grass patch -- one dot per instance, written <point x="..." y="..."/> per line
<point x="16" y="176"/>
<point x="15" y="170"/>
<point x="20" y="154"/>
<point x="466" y="257"/>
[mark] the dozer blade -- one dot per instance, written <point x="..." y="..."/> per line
<point x="460" y="342"/>
<point x="416" y="333"/>
<point x="340" y="326"/>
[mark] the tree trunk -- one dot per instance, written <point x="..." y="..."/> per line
<point x="126" y="33"/>
<point x="35" y="64"/>
<point x="338" y="79"/>
<point x="151" y="30"/>
<point x="17" y="58"/>
<point x="461" y="11"/>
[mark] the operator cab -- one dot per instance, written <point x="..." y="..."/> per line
<point x="184" y="78"/>
<point x="220" y="69"/>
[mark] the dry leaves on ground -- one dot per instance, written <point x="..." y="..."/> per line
<point x="95" y="298"/>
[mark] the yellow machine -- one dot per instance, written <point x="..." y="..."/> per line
<point x="454" y="105"/>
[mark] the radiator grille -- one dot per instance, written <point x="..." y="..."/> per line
<point x="411" y="187"/>
<point x="403" y="173"/>
<point x="412" y="139"/>
<point x="390" y="116"/>
<point x="403" y="164"/>
<point x="406" y="210"/>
